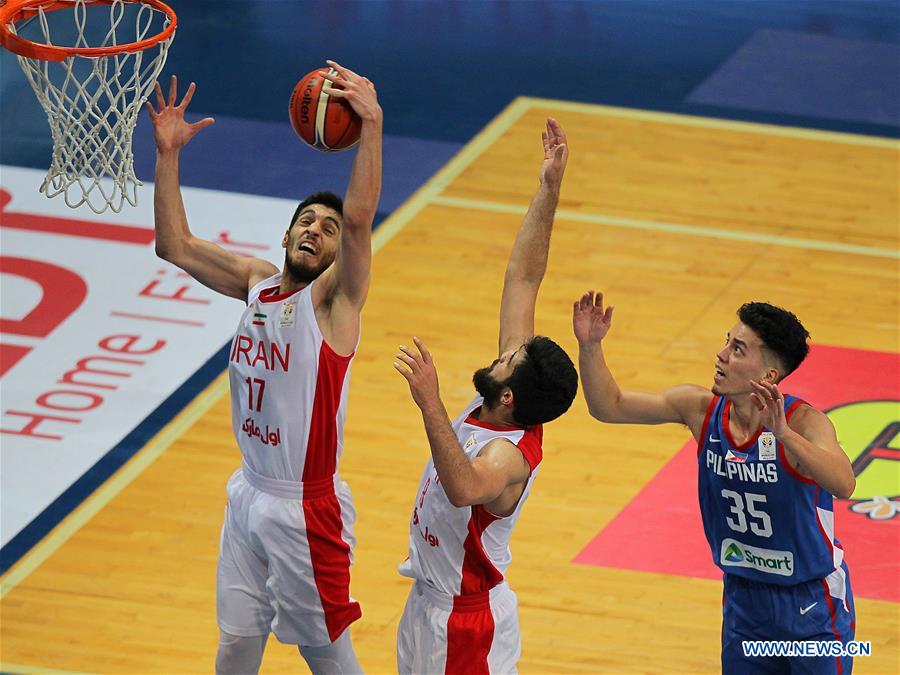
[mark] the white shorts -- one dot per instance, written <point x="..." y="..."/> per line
<point x="284" y="560"/>
<point x="468" y="634"/>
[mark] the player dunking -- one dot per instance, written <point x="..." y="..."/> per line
<point x="461" y="616"/>
<point x="768" y="465"/>
<point x="287" y="540"/>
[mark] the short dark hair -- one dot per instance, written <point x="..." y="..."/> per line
<point x="780" y="331"/>
<point x="544" y="383"/>
<point x="329" y="199"/>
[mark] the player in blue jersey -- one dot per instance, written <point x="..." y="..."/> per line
<point x="768" y="467"/>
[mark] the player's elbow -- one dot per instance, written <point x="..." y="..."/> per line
<point x="461" y="498"/>
<point x="169" y="249"/>
<point x="164" y="251"/>
<point x="846" y="487"/>
<point x="357" y="219"/>
<point x="465" y="494"/>
<point x="458" y="502"/>
<point x="601" y="411"/>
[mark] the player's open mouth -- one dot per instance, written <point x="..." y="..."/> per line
<point x="719" y="373"/>
<point x="306" y="248"/>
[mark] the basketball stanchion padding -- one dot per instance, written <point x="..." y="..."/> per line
<point x="92" y="90"/>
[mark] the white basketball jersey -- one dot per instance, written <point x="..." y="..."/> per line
<point x="288" y="387"/>
<point x="463" y="550"/>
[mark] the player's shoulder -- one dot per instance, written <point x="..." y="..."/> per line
<point x="259" y="270"/>
<point x="500" y="448"/>
<point x="503" y="453"/>
<point x="803" y="415"/>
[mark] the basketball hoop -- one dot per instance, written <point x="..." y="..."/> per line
<point x="92" y="93"/>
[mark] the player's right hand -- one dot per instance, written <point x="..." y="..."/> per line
<point x="556" y="154"/>
<point x="357" y="90"/>
<point x="170" y="129"/>
<point x="421" y="374"/>
<point x="590" y="321"/>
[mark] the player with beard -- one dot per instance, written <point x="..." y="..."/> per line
<point x="287" y="540"/>
<point x="461" y="616"/>
<point x="768" y="464"/>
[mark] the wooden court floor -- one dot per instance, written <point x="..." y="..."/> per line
<point x="679" y="220"/>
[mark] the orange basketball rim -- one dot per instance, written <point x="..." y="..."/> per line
<point x="14" y="11"/>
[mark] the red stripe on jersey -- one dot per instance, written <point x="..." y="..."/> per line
<point x="819" y="522"/>
<point x="469" y="638"/>
<point x="478" y="572"/>
<point x="705" y="428"/>
<point x="726" y="429"/>
<point x="321" y="448"/>
<point x="792" y="408"/>
<point x="330" y="556"/>
<point x="834" y="629"/>
<point x="475" y="422"/>
<point x="272" y="294"/>
<point x="530" y="445"/>
<point x="782" y="456"/>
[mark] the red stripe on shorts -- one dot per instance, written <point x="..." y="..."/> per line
<point x="834" y="629"/>
<point x="330" y="556"/>
<point x="470" y="633"/>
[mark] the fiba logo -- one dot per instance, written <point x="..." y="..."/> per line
<point x="868" y="431"/>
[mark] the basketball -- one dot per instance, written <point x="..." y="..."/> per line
<point x="322" y="121"/>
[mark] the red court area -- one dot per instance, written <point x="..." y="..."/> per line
<point x="850" y="383"/>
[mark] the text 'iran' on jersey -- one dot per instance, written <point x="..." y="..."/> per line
<point x="288" y="387"/>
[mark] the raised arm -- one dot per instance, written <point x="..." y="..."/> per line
<point x="347" y="281"/>
<point x="499" y="465"/>
<point x="685" y="404"/>
<point x="528" y="259"/>
<point x="211" y="265"/>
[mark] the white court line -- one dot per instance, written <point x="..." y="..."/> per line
<point x="675" y="228"/>
<point x="161" y="442"/>
<point x="29" y="670"/>
<point x="712" y="123"/>
<point x="460" y="162"/>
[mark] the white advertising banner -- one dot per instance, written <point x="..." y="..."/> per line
<point x="96" y="331"/>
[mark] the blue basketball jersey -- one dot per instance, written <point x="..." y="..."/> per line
<point x="763" y="520"/>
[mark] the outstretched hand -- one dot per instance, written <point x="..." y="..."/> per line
<point x="770" y="402"/>
<point x="590" y="321"/>
<point x="420" y="373"/>
<point x="170" y="129"/>
<point x="556" y="154"/>
<point x="357" y="90"/>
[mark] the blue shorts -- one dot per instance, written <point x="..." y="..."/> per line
<point x="811" y="611"/>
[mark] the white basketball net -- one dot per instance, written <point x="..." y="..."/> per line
<point x="92" y="103"/>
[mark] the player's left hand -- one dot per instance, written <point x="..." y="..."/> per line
<point x="420" y="373"/>
<point x="357" y="90"/>
<point x="770" y="402"/>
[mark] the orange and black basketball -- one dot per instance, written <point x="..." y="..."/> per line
<point x="323" y="121"/>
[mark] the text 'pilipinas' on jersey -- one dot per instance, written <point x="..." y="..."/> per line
<point x="464" y="550"/>
<point x="288" y="387"/>
<point x="763" y="520"/>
